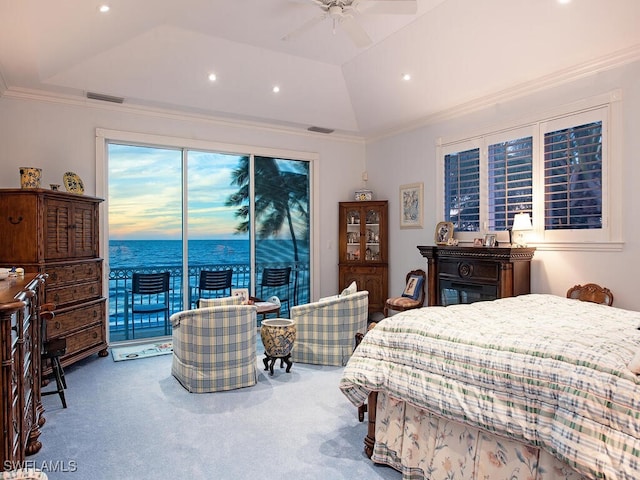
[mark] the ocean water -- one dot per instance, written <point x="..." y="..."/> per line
<point x="152" y="253"/>
<point x="126" y="256"/>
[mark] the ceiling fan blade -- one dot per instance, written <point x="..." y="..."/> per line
<point x="406" y="7"/>
<point x="304" y="27"/>
<point x="357" y="34"/>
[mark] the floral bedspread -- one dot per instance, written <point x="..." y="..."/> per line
<point x="542" y="369"/>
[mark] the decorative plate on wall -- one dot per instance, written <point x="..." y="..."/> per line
<point x="73" y="183"/>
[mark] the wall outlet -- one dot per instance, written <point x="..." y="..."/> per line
<point x="365" y="176"/>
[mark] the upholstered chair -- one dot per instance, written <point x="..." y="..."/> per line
<point x="325" y="330"/>
<point x="214" y="347"/>
<point x="413" y="295"/>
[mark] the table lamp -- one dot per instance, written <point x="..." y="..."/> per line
<point x="521" y="223"/>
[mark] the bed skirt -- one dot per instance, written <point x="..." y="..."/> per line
<point x="423" y="446"/>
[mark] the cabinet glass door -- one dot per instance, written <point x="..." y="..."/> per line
<point x="353" y="235"/>
<point x="372" y="236"/>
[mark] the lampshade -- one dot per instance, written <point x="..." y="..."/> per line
<point x="521" y="221"/>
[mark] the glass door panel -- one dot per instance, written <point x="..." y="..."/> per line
<point x="282" y="193"/>
<point x="218" y="241"/>
<point x="145" y="233"/>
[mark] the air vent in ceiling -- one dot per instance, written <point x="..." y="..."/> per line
<point x="104" y="98"/>
<point x="320" y="130"/>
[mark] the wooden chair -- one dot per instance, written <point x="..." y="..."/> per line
<point x="52" y="350"/>
<point x="413" y="295"/>
<point x="591" y="292"/>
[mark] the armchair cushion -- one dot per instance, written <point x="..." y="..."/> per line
<point x="214" y="348"/>
<point x="325" y="331"/>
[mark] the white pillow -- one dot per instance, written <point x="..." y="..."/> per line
<point x="634" y="364"/>
<point x="353" y="288"/>
<point x="326" y="299"/>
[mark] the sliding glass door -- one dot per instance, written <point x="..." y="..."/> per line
<point x="200" y="215"/>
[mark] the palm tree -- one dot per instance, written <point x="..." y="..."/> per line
<point x="281" y="195"/>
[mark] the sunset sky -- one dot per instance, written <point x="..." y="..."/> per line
<point x="145" y="194"/>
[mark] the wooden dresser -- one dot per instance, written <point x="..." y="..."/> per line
<point x="471" y="274"/>
<point x="58" y="233"/>
<point x="20" y="405"/>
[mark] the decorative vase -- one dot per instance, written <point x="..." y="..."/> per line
<point x="30" y="177"/>
<point x="278" y="335"/>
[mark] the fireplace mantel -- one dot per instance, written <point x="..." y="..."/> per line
<point x="468" y="274"/>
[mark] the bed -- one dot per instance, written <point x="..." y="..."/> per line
<point x="529" y="387"/>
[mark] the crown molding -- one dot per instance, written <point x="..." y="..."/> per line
<point x="558" y="78"/>
<point x="169" y="114"/>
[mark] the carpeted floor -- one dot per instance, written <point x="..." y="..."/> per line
<point x="133" y="420"/>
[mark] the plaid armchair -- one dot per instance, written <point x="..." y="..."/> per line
<point x="325" y="330"/>
<point x="214" y="348"/>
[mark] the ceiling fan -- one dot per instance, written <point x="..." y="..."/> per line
<point x="343" y="12"/>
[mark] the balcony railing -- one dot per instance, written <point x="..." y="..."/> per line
<point x="120" y="291"/>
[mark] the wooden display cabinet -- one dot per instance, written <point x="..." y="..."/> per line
<point x="57" y="233"/>
<point x="363" y="249"/>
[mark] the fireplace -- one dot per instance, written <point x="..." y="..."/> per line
<point x="473" y="274"/>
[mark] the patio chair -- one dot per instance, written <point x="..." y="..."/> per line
<point x="150" y="296"/>
<point x="276" y="282"/>
<point x="214" y="283"/>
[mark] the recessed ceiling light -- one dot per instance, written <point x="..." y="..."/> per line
<point x="212" y="77"/>
<point x="406" y="77"/>
<point x="104" y="8"/>
<point x="276" y="89"/>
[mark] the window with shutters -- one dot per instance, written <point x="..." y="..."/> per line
<point x="554" y="169"/>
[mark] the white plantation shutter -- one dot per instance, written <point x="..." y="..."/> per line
<point x="510" y="181"/>
<point x="573" y="177"/>
<point x="462" y="189"/>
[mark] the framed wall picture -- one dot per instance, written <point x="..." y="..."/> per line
<point x="490" y="240"/>
<point x="411" y="205"/>
<point x="444" y="232"/>
<point x="241" y="292"/>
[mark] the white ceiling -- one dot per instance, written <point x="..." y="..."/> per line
<point x="159" y="53"/>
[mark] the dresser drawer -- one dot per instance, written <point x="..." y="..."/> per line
<point x="68" y="319"/>
<point x="78" y="292"/>
<point x="69" y="273"/>
<point x="85" y="339"/>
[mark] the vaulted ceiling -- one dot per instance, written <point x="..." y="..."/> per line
<point x="159" y="53"/>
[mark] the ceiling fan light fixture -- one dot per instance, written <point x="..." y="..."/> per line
<point x="406" y="77"/>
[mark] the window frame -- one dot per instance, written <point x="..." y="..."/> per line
<point x="606" y="108"/>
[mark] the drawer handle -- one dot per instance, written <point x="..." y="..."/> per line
<point x="95" y="314"/>
<point x="15" y="221"/>
<point x="54" y="276"/>
<point x="95" y="335"/>
<point x="56" y="298"/>
<point x="58" y="325"/>
<point x="92" y="290"/>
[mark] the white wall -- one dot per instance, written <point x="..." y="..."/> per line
<point x="411" y="157"/>
<point x="59" y="136"/>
